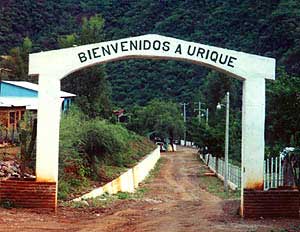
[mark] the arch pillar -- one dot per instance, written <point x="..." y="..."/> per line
<point x="253" y="136"/>
<point x="49" y="105"/>
<point x="47" y="146"/>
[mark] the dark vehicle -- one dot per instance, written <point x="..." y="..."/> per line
<point x="162" y="146"/>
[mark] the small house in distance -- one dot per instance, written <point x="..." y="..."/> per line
<point x="16" y="97"/>
<point x="121" y="115"/>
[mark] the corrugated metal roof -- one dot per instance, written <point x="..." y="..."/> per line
<point x="35" y="87"/>
<point x="29" y="102"/>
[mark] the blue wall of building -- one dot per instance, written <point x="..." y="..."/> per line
<point x="66" y="104"/>
<point x="9" y="90"/>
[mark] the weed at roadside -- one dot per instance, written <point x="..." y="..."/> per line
<point x="7" y="204"/>
<point x="215" y="186"/>
<point x="154" y="171"/>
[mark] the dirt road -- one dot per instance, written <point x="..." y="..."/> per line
<point x="174" y="202"/>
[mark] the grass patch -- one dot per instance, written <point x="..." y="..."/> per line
<point x="215" y="186"/>
<point x="138" y="194"/>
<point x="154" y="171"/>
<point x="72" y="185"/>
<point x="108" y="172"/>
<point x="290" y="229"/>
<point x="106" y="199"/>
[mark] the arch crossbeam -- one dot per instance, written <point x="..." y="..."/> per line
<point x="68" y="60"/>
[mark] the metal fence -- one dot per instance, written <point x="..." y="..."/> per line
<point x="273" y="174"/>
<point x="217" y="166"/>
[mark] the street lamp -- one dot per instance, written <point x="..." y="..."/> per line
<point x="201" y="113"/>
<point x="219" y="106"/>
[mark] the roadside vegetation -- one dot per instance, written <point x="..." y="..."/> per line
<point x="95" y="151"/>
<point x="107" y="199"/>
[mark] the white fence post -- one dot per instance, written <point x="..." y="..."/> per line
<point x="280" y="173"/>
<point x="276" y="172"/>
<point x="269" y="174"/>
<point x="273" y="173"/>
<point x="265" y="175"/>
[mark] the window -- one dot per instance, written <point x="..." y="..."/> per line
<point x="17" y="116"/>
<point x="12" y="116"/>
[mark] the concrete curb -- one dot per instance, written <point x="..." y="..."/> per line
<point x="129" y="180"/>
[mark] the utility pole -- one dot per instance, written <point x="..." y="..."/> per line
<point x="184" y="120"/>
<point x="199" y="112"/>
<point x="219" y="106"/>
<point x="226" y="143"/>
<point x="206" y="116"/>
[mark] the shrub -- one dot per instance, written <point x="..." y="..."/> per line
<point x="105" y="142"/>
<point x="71" y="157"/>
<point x="95" y="149"/>
<point x="27" y="135"/>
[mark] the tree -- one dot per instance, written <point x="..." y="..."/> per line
<point x="158" y="116"/>
<point x="283" y="109"/>
<point x="16" y="62"/>
<point x="90" y="85"/>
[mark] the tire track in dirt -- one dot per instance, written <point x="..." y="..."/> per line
<point x="175" y="201"/>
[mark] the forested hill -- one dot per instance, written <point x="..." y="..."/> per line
<point x="270" y="28"/>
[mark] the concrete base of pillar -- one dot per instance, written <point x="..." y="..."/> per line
<point x="271" y="203"/>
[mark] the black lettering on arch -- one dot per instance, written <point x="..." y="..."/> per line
<point x="178" y="49"/>
<point x="156" y="45"/>
<point x="95" y="55"/>
<point x="133" y="45"/>
<point x="214" y="56"/>
<point x="123" y="46"/>
<point x="230" y="61"/>
<point x="82" y="57"/>
<point x="147" y="44"/>
<point x="224" y="60"/>
<point x="190" y="52"/>
<point x="201" y="52"/>
<point x="166" y="46"/>
<point x="114" y="47"/>
<point x="106" y="50"/>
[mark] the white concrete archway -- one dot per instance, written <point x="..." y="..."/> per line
<point x="54" y="65"/>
